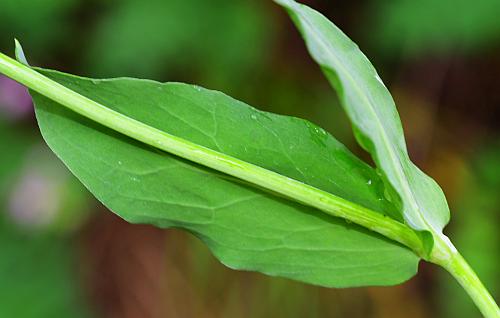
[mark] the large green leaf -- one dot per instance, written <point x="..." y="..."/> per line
<point x="245" y="227"/>
<point x="376" y="122"/>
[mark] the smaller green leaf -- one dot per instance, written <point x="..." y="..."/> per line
<point x="375" y="119"/>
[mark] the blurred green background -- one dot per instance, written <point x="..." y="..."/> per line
<point x="63" y="254"/>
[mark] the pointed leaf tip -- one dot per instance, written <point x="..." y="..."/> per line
<point x="20" y="57"/>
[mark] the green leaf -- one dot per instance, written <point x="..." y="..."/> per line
<point x="375" y="120"/>
<point x="245" y="227"/>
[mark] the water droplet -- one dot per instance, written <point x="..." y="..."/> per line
<point x="369" y="182"/>
<point x="317" y="134"/>
<point x="254" y="116"/>
<point x="119" y="162"/>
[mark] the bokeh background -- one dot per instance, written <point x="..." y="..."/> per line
<point x="62" y="254"/>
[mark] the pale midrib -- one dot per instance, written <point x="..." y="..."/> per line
<point x="291" y="188"/>
<point x="397" y="163"/>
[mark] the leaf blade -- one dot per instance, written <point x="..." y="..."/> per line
<point x="375" y="120"/>
<point x="242" y="238"/>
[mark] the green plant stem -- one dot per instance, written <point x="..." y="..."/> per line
<point x="256" y="175"/>
<point x="448" y="257"/>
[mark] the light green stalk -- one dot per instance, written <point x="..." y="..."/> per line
<point x="443" y="254"/>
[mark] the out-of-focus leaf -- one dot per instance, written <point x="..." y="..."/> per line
<point x="375" y="120"/>
<point x="424" y="26"/>
<point x="39" y="22"/>
<point x="246" y="228"/>
<point x="223" y="37"/>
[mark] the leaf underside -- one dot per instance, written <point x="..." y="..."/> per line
<point x="245" y="227"/>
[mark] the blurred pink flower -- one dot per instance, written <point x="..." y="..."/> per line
<point x="35" y="199"/>
<point x="15" y="101"/>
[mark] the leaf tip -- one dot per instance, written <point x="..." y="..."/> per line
<point x="20" y="52"/>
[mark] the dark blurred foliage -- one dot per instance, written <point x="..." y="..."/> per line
<point x="65" y="255"/>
